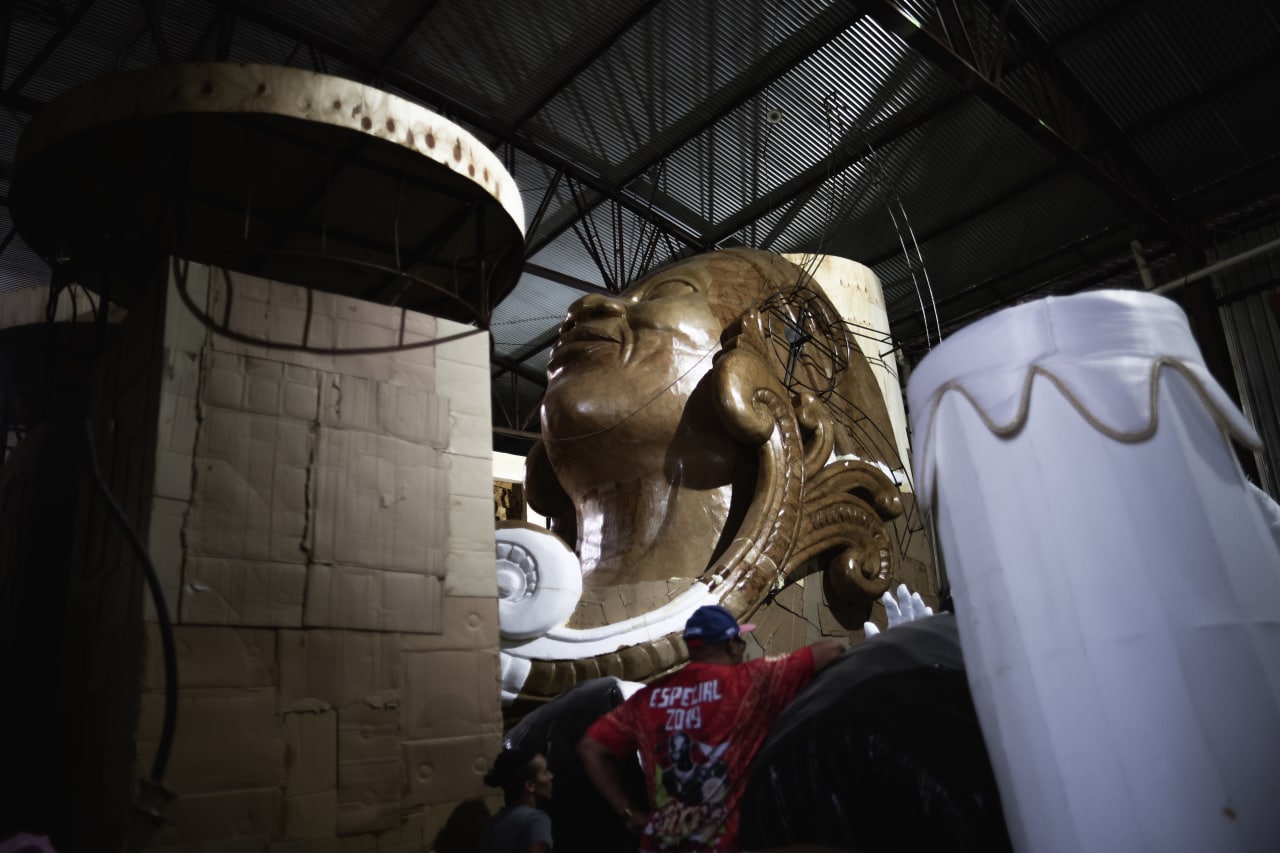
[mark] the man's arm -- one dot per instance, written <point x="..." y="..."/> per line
<point x="602" y="767"/>
<point x="825" y="653"/>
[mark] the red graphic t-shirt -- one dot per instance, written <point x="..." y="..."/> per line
<point x="697" y="731"/>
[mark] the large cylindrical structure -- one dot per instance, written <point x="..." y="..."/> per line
<point x="855" y="291"/>
<point x="1117" y="586"/>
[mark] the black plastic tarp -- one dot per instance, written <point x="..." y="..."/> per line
<point x="881" y="752"/>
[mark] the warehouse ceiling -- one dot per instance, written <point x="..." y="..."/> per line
<point x="973" y="153"/>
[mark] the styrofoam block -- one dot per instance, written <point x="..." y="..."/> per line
<point x="173" y="476"/>
<point x="470" y="573"/>
<point x="466" y="386"/>
<point x="183" y="330"/>
<point x="470" y="476"/>
<point x="224" y="381"/>
<point x="471" y="523"/>
<point x="471" y="345"/>
<point x="412" y="413"/>
<point x="349" y="402"/>
<point x="300" y="397"/>
<point x="470" y="435"/>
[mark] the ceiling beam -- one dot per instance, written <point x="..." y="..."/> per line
<point x="24" y="76"/>
<point x="425" y="8"/>
<point x="157" y="34"/>
<point x="1062" y="135"/>
<point x="6" y="24"/>
<point x="856" y="145"/>
<point x="567" y="280"/>
<point x="1007" y="286"/>
<point x="597" y="50"/>
<point x="534" y="347"/>
<point x="821" y="29"/>
<point x="519" y="368"/>
<point x="969" y="215"/>
<point x="1096" y="123"/>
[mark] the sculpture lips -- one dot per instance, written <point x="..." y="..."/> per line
<point x="583" y="337"/>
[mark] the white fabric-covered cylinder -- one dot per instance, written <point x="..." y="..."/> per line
<point x="1116" y="583"/>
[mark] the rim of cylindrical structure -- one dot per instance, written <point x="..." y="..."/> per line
<point x="212" y="87"/>
<point x="311" y="179"/>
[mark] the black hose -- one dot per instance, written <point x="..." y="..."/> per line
<point x="162" y="614"/>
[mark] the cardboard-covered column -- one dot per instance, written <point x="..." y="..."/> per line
<point x="1116" y="584"/>
<point x="856" y="292"/>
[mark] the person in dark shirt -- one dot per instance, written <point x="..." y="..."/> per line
<point x="519" y="826"/>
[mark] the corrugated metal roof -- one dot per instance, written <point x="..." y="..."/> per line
<point x="1149" y="58"/>
<point x="534" y="307"/>
<point x="962" y="259"/>
<point x="793" y="123"/>
<point x="1055" y="20"/>
<point x="1241" y="135"/>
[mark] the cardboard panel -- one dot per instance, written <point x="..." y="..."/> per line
<point x="450" y="693"/>
<point x="178" y="423"/>
<point x="247" y="815"/>
<point x="409" y="411"/>
<point x="471" y="523"/>
<point x="370" y="775"/>
<point x="381" y="502"/>
<point x="256" y="844"/>
<point x="250" y="497"/>
<point x="337" y="667"/>
<point x="311" y="815"/>
<point x="214" y="657"/>
<point x="469" y="623"/>
<point x="239" y="592"/>
<point x="262" y="386"/>
<point x="311" y="752"/>
<point x="228" y="740"/>
<point x="370" y="599"/>
<point x="448" y="769"/>
<point x="183" y="330"/>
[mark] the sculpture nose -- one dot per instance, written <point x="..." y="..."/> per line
<point x="593" y="306"/>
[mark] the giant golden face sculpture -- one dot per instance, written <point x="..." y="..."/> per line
<point x="716" y="422"/>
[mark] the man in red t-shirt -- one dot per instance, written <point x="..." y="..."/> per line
<point x="697" y="731"/>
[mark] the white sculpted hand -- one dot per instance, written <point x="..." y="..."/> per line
<point x="907" y="607"/>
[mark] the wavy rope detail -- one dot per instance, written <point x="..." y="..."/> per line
<point x="1024" y="404"/>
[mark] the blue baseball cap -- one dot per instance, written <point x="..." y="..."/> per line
<point x="711" y="624"/>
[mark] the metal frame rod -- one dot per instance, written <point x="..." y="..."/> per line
<point x="1215" y="268"/>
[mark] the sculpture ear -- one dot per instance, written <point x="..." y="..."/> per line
<point x="545" y="494"/>
<point x="740" y="375"/>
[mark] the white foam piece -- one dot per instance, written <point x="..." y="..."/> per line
<point x="1116" y="582"/>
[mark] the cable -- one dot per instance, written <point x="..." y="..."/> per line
<point x="180" y="275"/>
<point x="162" y="613"/>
